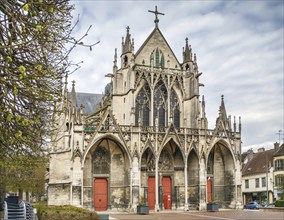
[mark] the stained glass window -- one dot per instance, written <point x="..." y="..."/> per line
<point x="175" y="109"/>
<point x="160" y="104"/>
<point x="162" y="61"/>
<point x="159" y="58"/>
<point x="142" y="105"/>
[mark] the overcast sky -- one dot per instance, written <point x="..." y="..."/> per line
<point x="239" y="48"/>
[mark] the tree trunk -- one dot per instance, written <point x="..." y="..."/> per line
<point x="27" y="196"/>
<point x="21" y="192"/>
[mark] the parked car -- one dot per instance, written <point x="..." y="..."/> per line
<point x="253" y="205"/>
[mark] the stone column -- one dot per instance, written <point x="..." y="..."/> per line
<point x="157" y="208"/>
<point x="202" y="185"/>
<point x="135" y="173"/>
<point x="151" y="119"/>
<point x="238" y="182"/>
<point x="185" y="187"/>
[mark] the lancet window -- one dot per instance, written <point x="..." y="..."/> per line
<point x="157" y="58"/>
<point x="142" y="106"/>
<point x="175" y="109"/>
<point x="162" y="101"/>
<point x="160" y="104"/>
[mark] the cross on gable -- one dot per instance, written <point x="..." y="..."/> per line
<point x="156" y="15"/>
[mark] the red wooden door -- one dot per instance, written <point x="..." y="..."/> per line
<point x="100" y="194"/>
<point x="167" y="186"/>
<point x="209" y="189"/>
<point x="151" y="192"/>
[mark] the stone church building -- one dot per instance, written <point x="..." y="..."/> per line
<point x="148" y="140"/>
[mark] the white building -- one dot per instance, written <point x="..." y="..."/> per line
<point x="257" y="176"/>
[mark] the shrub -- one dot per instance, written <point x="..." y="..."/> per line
<point x="67" y="212"/>
<point x="279" y="203"/>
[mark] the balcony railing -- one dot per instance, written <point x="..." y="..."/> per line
<point x="161" y="130"/>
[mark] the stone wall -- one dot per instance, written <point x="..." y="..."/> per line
<point x="59" y="194"/>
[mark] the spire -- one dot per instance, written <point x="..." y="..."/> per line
<point x="73" y="95"/>
<point x="115" y="58"/>
<point x="223" y="116"/>
<point x="127" y="45"/>
<point x="240" y="125"/>
<point x="156" y="16"/>
<point x="187" y="52"/>
<point x="203" y="107"/>
<point x="132" y="45"/>
<point x="115" y="62"/>
<point x="222" y="110"/>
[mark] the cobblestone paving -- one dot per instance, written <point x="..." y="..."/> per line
<point x="222" y="215"/>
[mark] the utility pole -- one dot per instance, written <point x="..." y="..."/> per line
<point x="267" y="197"/>
<point x="280" y="134"/>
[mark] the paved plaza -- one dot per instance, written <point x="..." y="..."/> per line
<point x="203" y="215"/>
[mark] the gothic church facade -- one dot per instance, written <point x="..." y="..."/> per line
<point x="148" y="140"/>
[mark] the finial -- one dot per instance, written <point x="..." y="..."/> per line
<point x="115" y="58"/>
<point x="222" y="96"/>
<point x="66" y="76"/>
<point x="240" y="124"/>
<point x="186" y="40"/>
<point x="73" y="95"/>
<point x="156" y="15"/>
<point x="127" y="29"/>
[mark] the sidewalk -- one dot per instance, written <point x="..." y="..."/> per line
<point x="223" y="214"/>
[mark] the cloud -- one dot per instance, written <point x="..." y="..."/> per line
<point x="239" y="47"/>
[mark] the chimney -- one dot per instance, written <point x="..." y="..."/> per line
<point x="276" y="146"/>
<point x="250" y="154"/>
<point x="261" y="149"/>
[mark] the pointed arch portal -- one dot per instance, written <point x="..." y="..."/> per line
<point x="193" y="178"/>
<point x="220" y="175"/>
<point x="104" y="158"/>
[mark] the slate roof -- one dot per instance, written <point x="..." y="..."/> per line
<point x="90" y="101"/>
<point x="280" y="151"/>
<point x="258" y="163"/>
